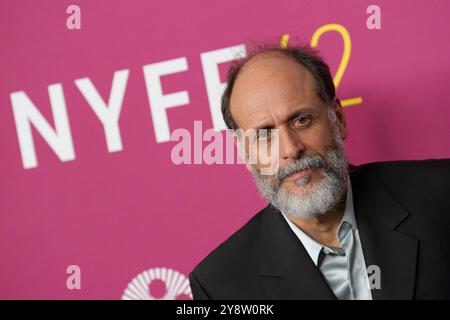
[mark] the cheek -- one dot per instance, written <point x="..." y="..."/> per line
<point x="264" y="156"/>
<point x="318" y="139"/>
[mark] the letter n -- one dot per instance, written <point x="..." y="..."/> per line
<point x="26" y="113"/>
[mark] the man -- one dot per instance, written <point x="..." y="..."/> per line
<point x="331" y="230"/>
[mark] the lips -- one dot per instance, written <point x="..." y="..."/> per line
<point x="300" y="174"/>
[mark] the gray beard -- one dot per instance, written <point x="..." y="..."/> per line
<point x="320" y="199"/>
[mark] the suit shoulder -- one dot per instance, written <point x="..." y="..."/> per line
<point x="405" y="166"/>
<point x="419" y="173"/>
<point x="419" y="185"/>
<point x="234" y="253"/>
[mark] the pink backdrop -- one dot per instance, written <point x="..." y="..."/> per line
<point x="118" y="214"/>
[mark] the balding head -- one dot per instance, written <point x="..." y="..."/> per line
<point x="268" y="87"/>
<point x="304" y="56"/>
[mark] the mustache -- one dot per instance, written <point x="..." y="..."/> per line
<point x="307" y="162"/>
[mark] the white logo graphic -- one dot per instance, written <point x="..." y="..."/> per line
<point x="176" y="285"/>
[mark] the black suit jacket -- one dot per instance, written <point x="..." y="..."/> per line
<point x="402" y="210"/>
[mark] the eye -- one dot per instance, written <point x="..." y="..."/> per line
<point x="263" y="134"/>
<point x="302" y="121"/>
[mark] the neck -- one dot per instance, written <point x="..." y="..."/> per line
<point x="323" y="228"/>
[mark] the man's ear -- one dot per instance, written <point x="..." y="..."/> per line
<point x="241" y="151"/>
<point x="340" y="118"/>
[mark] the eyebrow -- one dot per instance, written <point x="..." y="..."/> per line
<point x="294" y="114"/>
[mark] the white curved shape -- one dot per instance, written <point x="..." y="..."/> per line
<point x="176" y="284"/>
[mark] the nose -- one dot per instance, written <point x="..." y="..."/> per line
<point x="291" y="148"/>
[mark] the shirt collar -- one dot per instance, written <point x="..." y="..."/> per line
<point x="314" y="247"/>
<point x="348" y="219"/>
<point x="349" y="212"/>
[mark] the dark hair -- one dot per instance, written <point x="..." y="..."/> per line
<point x="304" y="55"/>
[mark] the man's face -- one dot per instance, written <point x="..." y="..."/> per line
<point x="273" y="91"/>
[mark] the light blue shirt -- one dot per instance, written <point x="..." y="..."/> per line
<point x="343" y="268"/>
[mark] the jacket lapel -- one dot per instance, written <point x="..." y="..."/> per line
<point x="378" y="214"/>
<point x="286" y="270"/>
